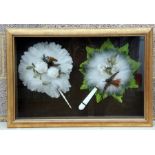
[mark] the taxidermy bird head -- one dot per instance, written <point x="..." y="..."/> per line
<point x="50" y="61"/>
<point x="112" y="81"/>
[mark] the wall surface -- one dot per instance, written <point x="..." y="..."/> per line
<point x="3" y="93"/>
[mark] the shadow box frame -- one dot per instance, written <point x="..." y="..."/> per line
<point x="11" y="87"/>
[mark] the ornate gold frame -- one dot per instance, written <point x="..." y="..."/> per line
<point x="13" y="122"/>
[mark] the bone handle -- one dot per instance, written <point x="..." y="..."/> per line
<point x="87" y="99"/>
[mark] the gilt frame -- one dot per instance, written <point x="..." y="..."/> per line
<point x="13" y="122"/>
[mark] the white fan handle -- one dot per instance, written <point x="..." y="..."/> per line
<point x="87" y="99"/>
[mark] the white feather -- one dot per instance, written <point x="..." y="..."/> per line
<point x="49" y="76"/>
<point x="96" y="75"/>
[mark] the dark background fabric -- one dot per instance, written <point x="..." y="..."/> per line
<point x="38" y="105"/>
